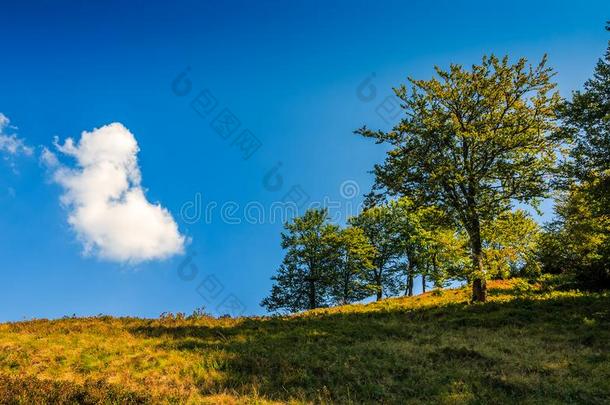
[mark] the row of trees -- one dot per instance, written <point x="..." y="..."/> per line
<point x="382" y="251"/>
<point x="471" y="144"/>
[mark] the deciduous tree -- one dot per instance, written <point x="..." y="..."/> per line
<point x="379" y="226"/>
<point x="304" y="279"/>
<point x="356" y="256"/>
<point x="472" y="142"/>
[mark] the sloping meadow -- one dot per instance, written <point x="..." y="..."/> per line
<point x="526" y="344"/>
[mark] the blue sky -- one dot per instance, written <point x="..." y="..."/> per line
<point x="292" y="73"/>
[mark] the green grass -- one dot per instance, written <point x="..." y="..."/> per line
<point x="525" y="345"/>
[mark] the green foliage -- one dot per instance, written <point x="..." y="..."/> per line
<point x="586" y="119"/>
<point x="577" y="242"/>
<point x="306" y="275"/>
<point x="472" y="142"/>
<point x="379" y="226"/>
<point x="510" y="244"/>
<point x="356" y="256"/>
<point x="410" y="240"/>
<point x="430" y="244"/>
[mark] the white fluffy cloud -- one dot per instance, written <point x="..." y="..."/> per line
<point x="107" y="205"/>
<point x="11" y="144"/>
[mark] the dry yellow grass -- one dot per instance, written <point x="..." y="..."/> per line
<point x="524" y="345"/>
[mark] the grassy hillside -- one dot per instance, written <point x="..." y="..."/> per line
<point x="524" y="345"/>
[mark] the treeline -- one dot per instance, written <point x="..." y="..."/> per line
<point x="471" y="144"/>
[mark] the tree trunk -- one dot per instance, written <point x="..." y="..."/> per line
<point x="423" y="283"/>
<point x="479" y="290"/>
<point x="409" y="288"/>
<point x="312" y="294"/>
<point x="479" y="286"/>
<point x="346" y="290"/>
<point x="379" y="286"/>
<point x="410" y="285"/>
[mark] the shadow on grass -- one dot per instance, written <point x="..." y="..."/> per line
<point x="32" y="390"/>
<point x="453" y="353"/>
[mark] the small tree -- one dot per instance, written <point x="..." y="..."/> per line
<point x="408" y="239"/>
<point x="577" y="241"/>
<point x="428" y="240"/>
<point x="472" y="142"/>
<point x="379" y="226"/>
<point x="356" y="256"/>
<point x="304" y="279"/>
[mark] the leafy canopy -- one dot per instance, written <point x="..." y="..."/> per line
<point x="304" y="278"/>
<point x="323" y="265"/>
<point x="472" y="142"/>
